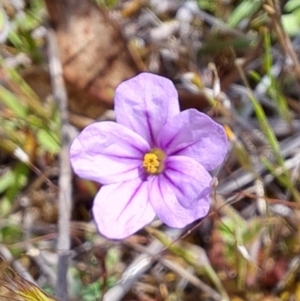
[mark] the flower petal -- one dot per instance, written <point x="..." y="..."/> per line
<point x="145" y="103"/>
<point x="188" y="179"/>
<point x="107" y="152"/>
<point x="169" y="210"/>
<point x="122" y="209"/>
<point x="195" y="135"/>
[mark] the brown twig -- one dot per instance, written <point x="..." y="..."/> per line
<point x="272" y="7"/>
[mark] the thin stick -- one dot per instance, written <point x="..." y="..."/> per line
<point x="65" y="204"/>
<point x="184" y="273"/>
<point x="138" y="267"/>
<point x="273" y="9"/>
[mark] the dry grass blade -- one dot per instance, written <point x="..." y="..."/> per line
<point x="15" y="287"/>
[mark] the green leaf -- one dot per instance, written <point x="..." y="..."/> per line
<point x="5" y="207"/>
<point x="48" y="141"/>
<point x="291" y="24"/>
<point x="13" y="186"/>
<point x="227" y="230"/>
<point x="291" y="5"/>
<point x="6" y="180"/>
<point x="30" y="97"/>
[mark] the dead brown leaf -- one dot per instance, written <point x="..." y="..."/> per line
<point x="94" y="55"/>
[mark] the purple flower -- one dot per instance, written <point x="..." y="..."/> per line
<point x="153" y="161"/>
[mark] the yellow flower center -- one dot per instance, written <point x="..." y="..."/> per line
<point x="153" y="162"/>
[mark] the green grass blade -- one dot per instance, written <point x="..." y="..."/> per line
<point x="13" y="103"/>
<point x="274" y="89"/>
<point x="243" y="11"/>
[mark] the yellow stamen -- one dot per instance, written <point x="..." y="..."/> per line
<point x="153" y="161"/>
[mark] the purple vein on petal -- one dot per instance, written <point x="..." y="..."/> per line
<point x="159" y="187"/>
<point x="94" y="153"/>
<point x="133" y="168"/>
<point x="118" y="156"/>
<point x="183" y="148"/>
<point x="130" y="199"/>
<point x="150" y="129"/>
<point x="174" y="169"/>
<point x="178" y="187"/>
<point x="170" y="141"/>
